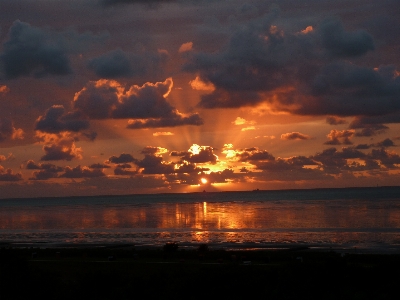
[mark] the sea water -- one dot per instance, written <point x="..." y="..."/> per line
<point x="367" y="219"/>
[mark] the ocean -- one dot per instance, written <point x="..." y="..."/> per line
<point x="350" y="219"/>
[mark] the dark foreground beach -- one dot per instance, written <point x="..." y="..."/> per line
<point x="173" y="272"/>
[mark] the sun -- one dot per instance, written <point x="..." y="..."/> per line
<point x="203" y="180"/>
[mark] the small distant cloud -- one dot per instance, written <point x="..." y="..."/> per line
<point x="200" y="85"/>
<point x="248" y="128"/>
<point x="241" y="121"/>
<point x="4" y="89"/>
<point x="186" y="47"/>
<point x="295" y="136"/>
<point x="160" y="133"/>
<point x="307" y="30"/>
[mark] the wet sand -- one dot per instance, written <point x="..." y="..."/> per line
<point x="124" y="271"/>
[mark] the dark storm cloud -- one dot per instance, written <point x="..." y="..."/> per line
<point x="43" y="175"/>
<point x="384" y="144"/>
<point x="81" y="172"/>
<point x="8" y="175"/>
<point x="190" y="168"/>
<point x="56" y="120"/>
<point x="46" y="171"/>
<point x="154" y="165"/>
<point x="254" y="154"/>
<point x="8" y="131"/>
<point x="205" y="155"/>
<point x="30" y="50"/>
<point x="61" y="148"/>
<point x="123" y="158"/>
<point x="31" y="165"/>
<point x="307" y="73"/>
<point x="111" y="65"/>
<point x="340" y="43"/>
<point x="99" y="166"/>
<point x="123" y="171"/>
<point x="344" y="89"/>
<point x="388" y="159"/>
<point x="117" y="63"/>
<point x="146" y="105"/>
<point x="253" y="61"/>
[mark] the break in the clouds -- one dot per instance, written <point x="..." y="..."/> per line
<point x="145" y="105"/>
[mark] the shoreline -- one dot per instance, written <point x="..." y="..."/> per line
<point x="123" y="271"/>
<point x="229" y="247"/>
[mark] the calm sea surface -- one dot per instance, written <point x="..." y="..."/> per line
<point x="365" y="218"/>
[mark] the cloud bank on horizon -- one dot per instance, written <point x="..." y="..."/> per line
<point x="130" y="96"/>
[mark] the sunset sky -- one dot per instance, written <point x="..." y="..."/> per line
<point x="134" y="96"/>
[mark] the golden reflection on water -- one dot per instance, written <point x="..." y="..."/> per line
<point x="204" y="216"/>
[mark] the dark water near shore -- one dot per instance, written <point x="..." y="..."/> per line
<point x="365" y="218"/>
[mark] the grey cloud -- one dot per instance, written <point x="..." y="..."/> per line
<point x="154" y="165"/>
<point x="386" y="158"/>
<point x="56" y="120"/>
<point x="81" y="172"/>
<point x="122" y="171"/>
<point x="43" y="175"/>
<point x="8" y="175"/>
<point x="385" y="143"/>
<point x="340" y="43"/>
<point x="111" y="65"/>
<point x="8" y="131"/>
<point x="61" y="148"/>
<point x="254" y="154"/>
<point x="146" y="105"/>
<point x="30" y="50"/>
<point x="117" y="63"/>
<point x="99" y="166"/>
<point x="260" y="61"/>
<point x="97" y="101"/>
<point x="123" y="158"/>
<point x="31" y="165"/>
<point x="190" y="168"/>
<point x="205" y="155"/>
<point x="344" y="89"/>
<point x="333" y="120"/>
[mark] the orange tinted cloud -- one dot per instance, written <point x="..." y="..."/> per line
<point x="295" y="136"/>
<point x="186" y="47"/>
<point x="4" y="89"/>
<point x="161" y="133"/>
<point x="307" y="30"/>
<point x="198" y="84"/>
